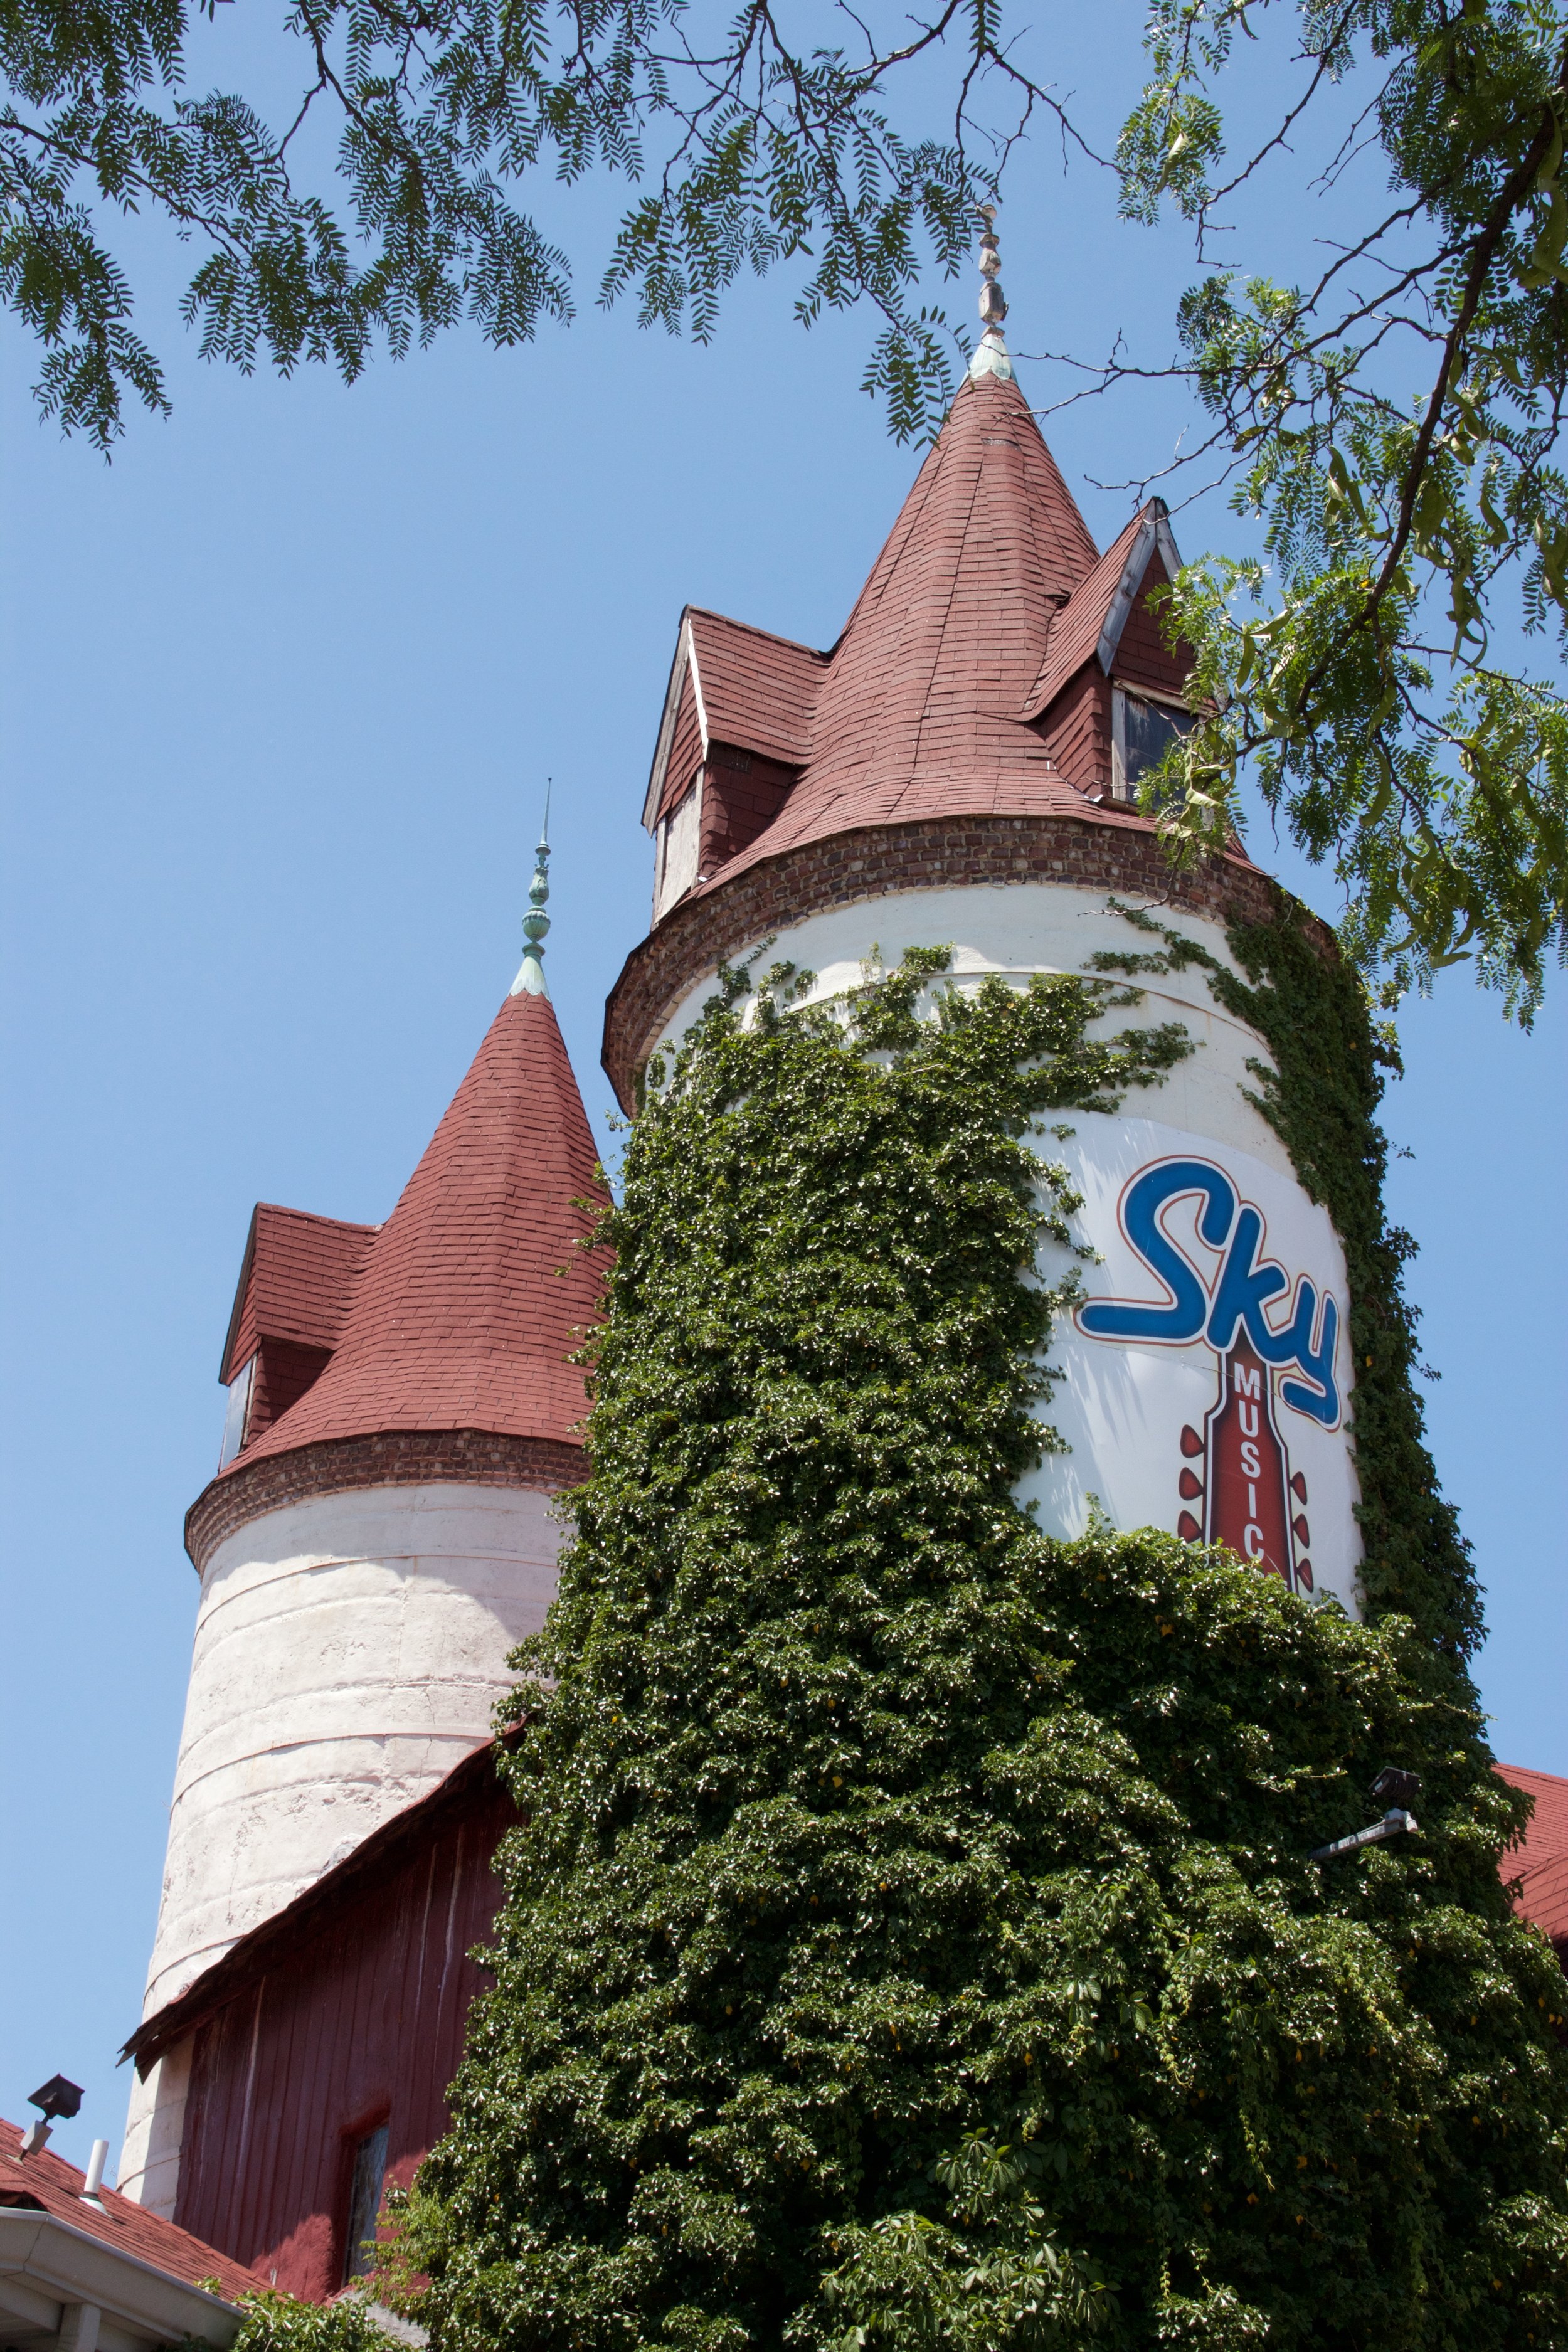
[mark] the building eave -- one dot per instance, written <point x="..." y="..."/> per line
<point x="46" y="2257"/>
<point x="255" y="1951"/>
<point x="685" y="660"/>
<point x="1154" y="534"/>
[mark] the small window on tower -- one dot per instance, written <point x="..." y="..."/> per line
<point x="364" y="2202"/>
<point x="1141" y="732"/>
<point x="237" y="1415"/>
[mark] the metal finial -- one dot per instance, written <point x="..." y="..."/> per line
<point x="529" y="981"/>
<point x="991" y="358"/>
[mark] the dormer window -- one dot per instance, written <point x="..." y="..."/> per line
<point x="237" y="1415"/>
<point x="1143" y="728"/>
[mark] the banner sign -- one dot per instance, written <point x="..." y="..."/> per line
<point x="1205" y="1375"/>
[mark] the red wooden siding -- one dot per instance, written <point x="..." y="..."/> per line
<point x="357" y="2021"/>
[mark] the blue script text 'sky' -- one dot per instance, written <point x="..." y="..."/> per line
<point x="1239" y="1296"/>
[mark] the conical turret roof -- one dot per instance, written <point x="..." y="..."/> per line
<point x="924" y="704"/>
<point x="475" y="1293"/>
<point x="984" y="716"/>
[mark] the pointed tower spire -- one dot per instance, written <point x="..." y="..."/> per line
<point x="531" y="980"/>
<point x="477" y="1292"/>
<point x="924" y="708"/>
<point x="991" y="357"/>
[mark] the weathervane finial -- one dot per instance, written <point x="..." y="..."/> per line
<point x="529" y="981"/>
<point x="991" y="357"/>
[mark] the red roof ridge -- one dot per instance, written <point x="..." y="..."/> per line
<point x="755" y="629"/>
<point x="118" y="2221"/>
<point x="475" y="1292"/>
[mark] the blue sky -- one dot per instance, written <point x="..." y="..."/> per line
<point x="282" y="688"/>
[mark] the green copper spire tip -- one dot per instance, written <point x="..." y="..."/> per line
<point x="529" y="981"/>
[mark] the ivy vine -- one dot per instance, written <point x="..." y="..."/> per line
<point x="914" y="1938"/>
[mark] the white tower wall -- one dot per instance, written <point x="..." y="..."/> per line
<point x="1121" y="1408"/>
<point x="349" y="1651"/>
<point x="1028" y="926"/>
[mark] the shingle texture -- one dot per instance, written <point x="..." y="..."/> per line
<point x="921" y="710"/>
<point x="1076" y="634"/>
<point x="474" y="1295"/>
<point x="296" y="1283"/>
<point x="56" y="2186"/>
<point x="1540" y="1862"/>
<point x="759" y="692"/>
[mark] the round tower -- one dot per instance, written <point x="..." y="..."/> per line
<point x="960" y="769"/>
<point x="379" y="1536"/>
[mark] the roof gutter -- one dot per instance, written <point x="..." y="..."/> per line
<point x="59" y="2279"/>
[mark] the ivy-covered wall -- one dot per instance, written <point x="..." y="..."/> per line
<point x="914" y="1937"/>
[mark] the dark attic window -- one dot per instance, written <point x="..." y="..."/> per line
<point x="237" y="1415"/>
<point x="1141" y="732"/>
<point x="364" y="2202"/>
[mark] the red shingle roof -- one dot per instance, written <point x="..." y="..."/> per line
<point x="731" y="684"/>
<point x="921" y="711"/>
<point x="988" y="597"/>
<point x="759" y="692"/>
<point x="1078" y="630"/>
<point x="474" y="1295"/>
<point x="1540" y="1860"/>
<point x="56" y="2186"/>
<point x="295" y="1283"/>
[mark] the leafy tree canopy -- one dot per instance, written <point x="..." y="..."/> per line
<point x="913" y="1939"/>
<point x="1392" y="425"/>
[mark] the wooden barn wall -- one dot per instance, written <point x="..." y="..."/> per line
<point x="361" y="2024"/>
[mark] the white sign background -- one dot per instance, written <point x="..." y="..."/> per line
<point x="1121" y="1405"/>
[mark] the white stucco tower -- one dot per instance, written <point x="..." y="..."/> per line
<point x="379" y="1535"/>
<point x="960" y="769"/>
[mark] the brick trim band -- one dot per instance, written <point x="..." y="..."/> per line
<point x="393" y="1458"/>
<point x="942" y="852"/>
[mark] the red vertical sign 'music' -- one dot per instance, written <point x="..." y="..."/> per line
<point x="1248" y="1486"/>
